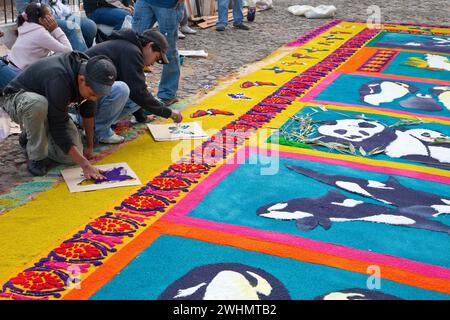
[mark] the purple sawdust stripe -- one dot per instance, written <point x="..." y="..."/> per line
<point x="313" y="33"/>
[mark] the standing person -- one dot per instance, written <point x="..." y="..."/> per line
<point x="109" y="12"/>
<point x="184" y="27"/>
<point x="39" y="99"/>
<point x="238" y="16"/>
<point x="165" y="12"/>
<point x="38" y="35"/>
<point x="80" y="30"/>
<point x="130" y="53"/>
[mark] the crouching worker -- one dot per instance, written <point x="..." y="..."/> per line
<point x="39" y="100"/>
<point x="130" y="53"/>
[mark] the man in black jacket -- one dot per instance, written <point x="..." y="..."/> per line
<point x="130" y="53"/>
<point x="39" y="100"/>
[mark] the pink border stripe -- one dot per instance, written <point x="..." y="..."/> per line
<point x="178" y="214"/>
<point x="348" y="105"/>
<point x="314" y="92"/>
<point x="188" y="203"/>
<point x="368" y="167"/>
<point x="333" y="249"/>
<point x="399" y="77"/>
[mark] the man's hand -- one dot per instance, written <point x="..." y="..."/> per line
<point x="48" y="22"/>
<point x="176" y="116"/>
<point x="91" y="172"/>
<point x="130" y="9"/>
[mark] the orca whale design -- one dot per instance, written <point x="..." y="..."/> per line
<point x="399" y="205"/>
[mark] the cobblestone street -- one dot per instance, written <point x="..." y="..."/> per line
<point x="232" y="49"/>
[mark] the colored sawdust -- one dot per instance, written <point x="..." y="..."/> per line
<point x="55" y="215"/>
<point x="59" y="212"/>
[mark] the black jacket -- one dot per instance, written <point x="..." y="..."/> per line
<point x="55" y="78"/>
<point x="125" y="50"/>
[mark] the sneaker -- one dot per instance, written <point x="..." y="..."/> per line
<point x="241" y="26"/>
<point x="220" y="28"/>
<point x="188" y="30"/>
<point x="23" y="140"/>
<point x="181" y="35"/>
<point x="114" y="139"/>
<point x="168" y="102"/>
<point x="37" y="168"/>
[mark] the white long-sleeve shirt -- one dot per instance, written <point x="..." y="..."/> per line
<point x="35" y="42"/>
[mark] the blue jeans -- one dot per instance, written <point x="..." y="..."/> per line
<point x="111" y="108"/>
<point x="7" y="73"/>
<point x="145" y="15"/>
<point x="21" y="5"/>
<point x="110" y="16"/>
<point x="80" y="31"/>
<point x="238" y="16"/>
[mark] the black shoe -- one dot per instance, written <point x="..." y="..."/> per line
<point x="220" y="28"/>
<point x="169" y="102"/>
<point x="37" y="168"/>
<point x="23" y="140"/>
<point x="140" y="116"/>
<point x="241" y="26"/>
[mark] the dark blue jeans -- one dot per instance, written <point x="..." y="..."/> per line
<point x="7" y="73"/>
<point x="110" y="16"/>
<point x="79" y="30"/>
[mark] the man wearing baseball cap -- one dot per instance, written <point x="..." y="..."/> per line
<point x="131" y="52"/>
<point x="39" y="100"/>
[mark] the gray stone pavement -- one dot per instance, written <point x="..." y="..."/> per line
<point x="230" y="50"/>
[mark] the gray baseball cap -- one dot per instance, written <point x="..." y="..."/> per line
<point x="159" y="40"/>
<point x="100" y="74"/>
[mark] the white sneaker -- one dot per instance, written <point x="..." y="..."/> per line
<point x="114" y="139"/>
<point x="186" y="29"/>
<point x="181" y="35"/>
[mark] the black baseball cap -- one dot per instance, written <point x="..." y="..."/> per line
<point x="159" y="40"/>
<point x="100" y="74"/>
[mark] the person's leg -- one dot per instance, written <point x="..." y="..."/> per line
<point x="55" y="152"/>
<point x="168" y="25"/>
<point x="222" y="8"/>
<point x="7" y="73"/>
<point x="183" y="15"/>
<point x="109" y="110"/>
<point x="144" y="17"/>
<point x="31" y="113"/>
<point x="73" y="33"/>
<point x="238" y="16"/>
<point x="113" y="17"/>
<point x="89" y="30"/>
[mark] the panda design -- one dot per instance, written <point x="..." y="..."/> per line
<point x="411" y="144"/>
<point x="377" y="92"/>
